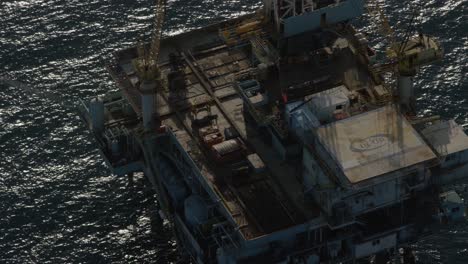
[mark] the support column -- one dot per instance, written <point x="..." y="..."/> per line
<point x="156" y="221"/>
<point x="130" y="178"/>
<point x="148" y="106"/>
<point x="397" y="255"/>
<point x="382" y="258"/>
<point x="408" y="256"/>
<point x="406" y="92"/>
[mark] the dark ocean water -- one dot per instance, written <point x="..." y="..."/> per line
<point x="59" y="204"/>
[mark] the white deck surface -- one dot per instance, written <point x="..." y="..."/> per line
<point x="374" y="143"/>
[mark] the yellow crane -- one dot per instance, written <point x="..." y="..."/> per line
<point x="381" y="20"/>
<point x="406" y="56"/>
<point x="146" y="64"/>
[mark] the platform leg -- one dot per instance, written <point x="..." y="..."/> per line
<point x="156" y="220"/>
<point x="408" y="256"/>
<point x="382" y="258"/>
<point x="396" y="255"/>
<point x="130" y="178"/>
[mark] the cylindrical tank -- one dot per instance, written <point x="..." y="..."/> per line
<point x="148" y="102"/>
<point x="96" y="111"/>
<point x="195" y="210"/>
<point x="406" y="90"/>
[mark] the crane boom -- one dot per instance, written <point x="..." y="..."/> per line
<point x="406" y="56"/>
<point x="383" y="25"/>
<point x="160" y="12"/>
<point x="147" y="62"/>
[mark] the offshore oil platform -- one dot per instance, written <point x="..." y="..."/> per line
<point x="280" y="137"/>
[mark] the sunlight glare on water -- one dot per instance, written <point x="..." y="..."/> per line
<point x="59" y="203"/>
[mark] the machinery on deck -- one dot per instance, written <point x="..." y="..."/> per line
<point x="276" y="138"/>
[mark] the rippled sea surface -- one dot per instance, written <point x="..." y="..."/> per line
<point x="59" y="204"/>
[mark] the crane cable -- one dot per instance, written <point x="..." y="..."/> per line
<point x="409" y="31"/>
